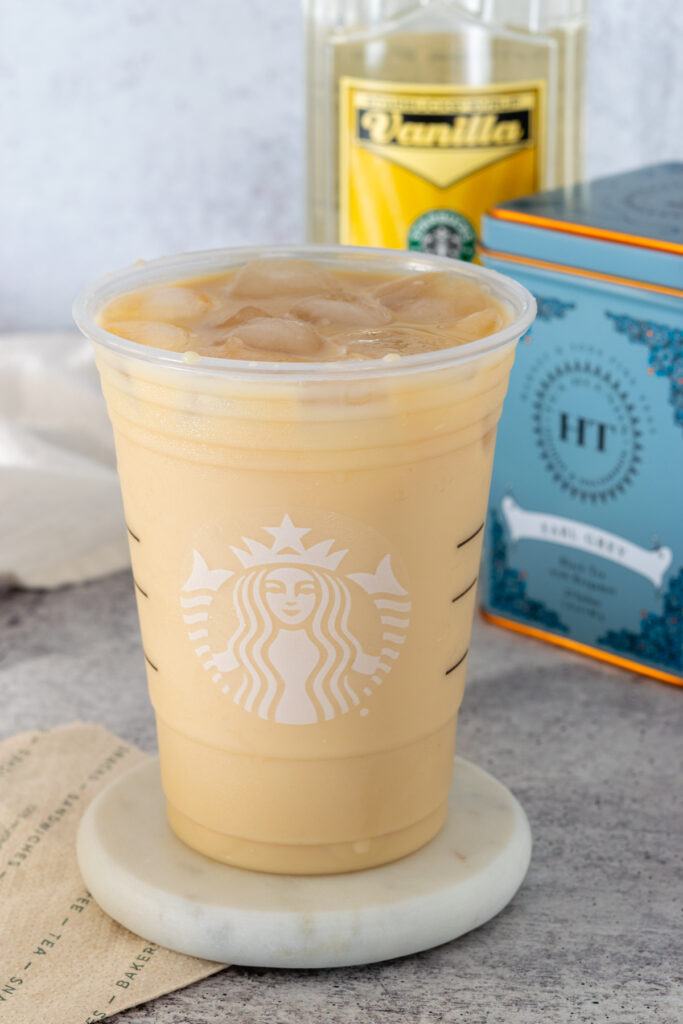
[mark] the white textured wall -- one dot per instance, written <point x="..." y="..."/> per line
<point x="132" y="128"/>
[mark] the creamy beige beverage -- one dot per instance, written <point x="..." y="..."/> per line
<point x="296" y="311"/>
<point x="305" y="461"/>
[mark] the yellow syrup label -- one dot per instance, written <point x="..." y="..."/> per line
<point x="420" y="164"/>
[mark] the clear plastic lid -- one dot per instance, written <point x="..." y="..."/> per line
<point x="173" y="269"/>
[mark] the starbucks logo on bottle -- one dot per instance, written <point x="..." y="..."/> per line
<point x="278" y="626"/>
<point x="443" y="233"/>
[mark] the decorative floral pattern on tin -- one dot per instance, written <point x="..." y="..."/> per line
<point x="508" y="589"/>
<point x="660" y="639"/>
<point x="666" y="352"/>
<point x="551" y="308"/>
<point x="292" y="656"/>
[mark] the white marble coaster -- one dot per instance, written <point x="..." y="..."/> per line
<point x="149" y="881"/>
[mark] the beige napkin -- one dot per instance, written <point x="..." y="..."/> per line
<point x="62" y="960"/>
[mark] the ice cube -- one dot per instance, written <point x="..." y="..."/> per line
<point x="175" y="304"/>
<point x="266" y="278"/>
<point x="242" y="316"/>
<point x="395" y="339"/>
<point x="431" y="298"/>
<point x="476" y="325"/>
<point x="341" y="313"/>
<point x="428" y="311"/>
<point x="158" y="335"/>
<point x="279" y="336"/>
<point x="470" y="298"/>
<point x="400" y="290"/>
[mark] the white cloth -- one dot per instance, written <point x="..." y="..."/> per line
<point x="61" y="518"/>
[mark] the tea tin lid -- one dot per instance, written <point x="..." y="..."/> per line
<point x="628" y="225"/>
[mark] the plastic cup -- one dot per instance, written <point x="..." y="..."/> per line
<point x="305" y="541"/>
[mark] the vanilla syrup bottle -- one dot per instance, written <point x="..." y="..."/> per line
<point x="423" y="115"/>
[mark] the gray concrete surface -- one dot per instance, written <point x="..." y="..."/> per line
<point x="592" y="752"/>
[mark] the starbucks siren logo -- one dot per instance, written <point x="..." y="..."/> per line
<point x="292" y="655"/>
<point x="443" y="233"/>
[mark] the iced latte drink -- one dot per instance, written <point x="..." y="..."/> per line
<point x="304" y="442"/>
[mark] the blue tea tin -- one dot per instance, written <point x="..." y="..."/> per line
<point x="584" y="543"/>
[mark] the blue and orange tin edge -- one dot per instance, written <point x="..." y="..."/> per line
<point x="584" y="544"/>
